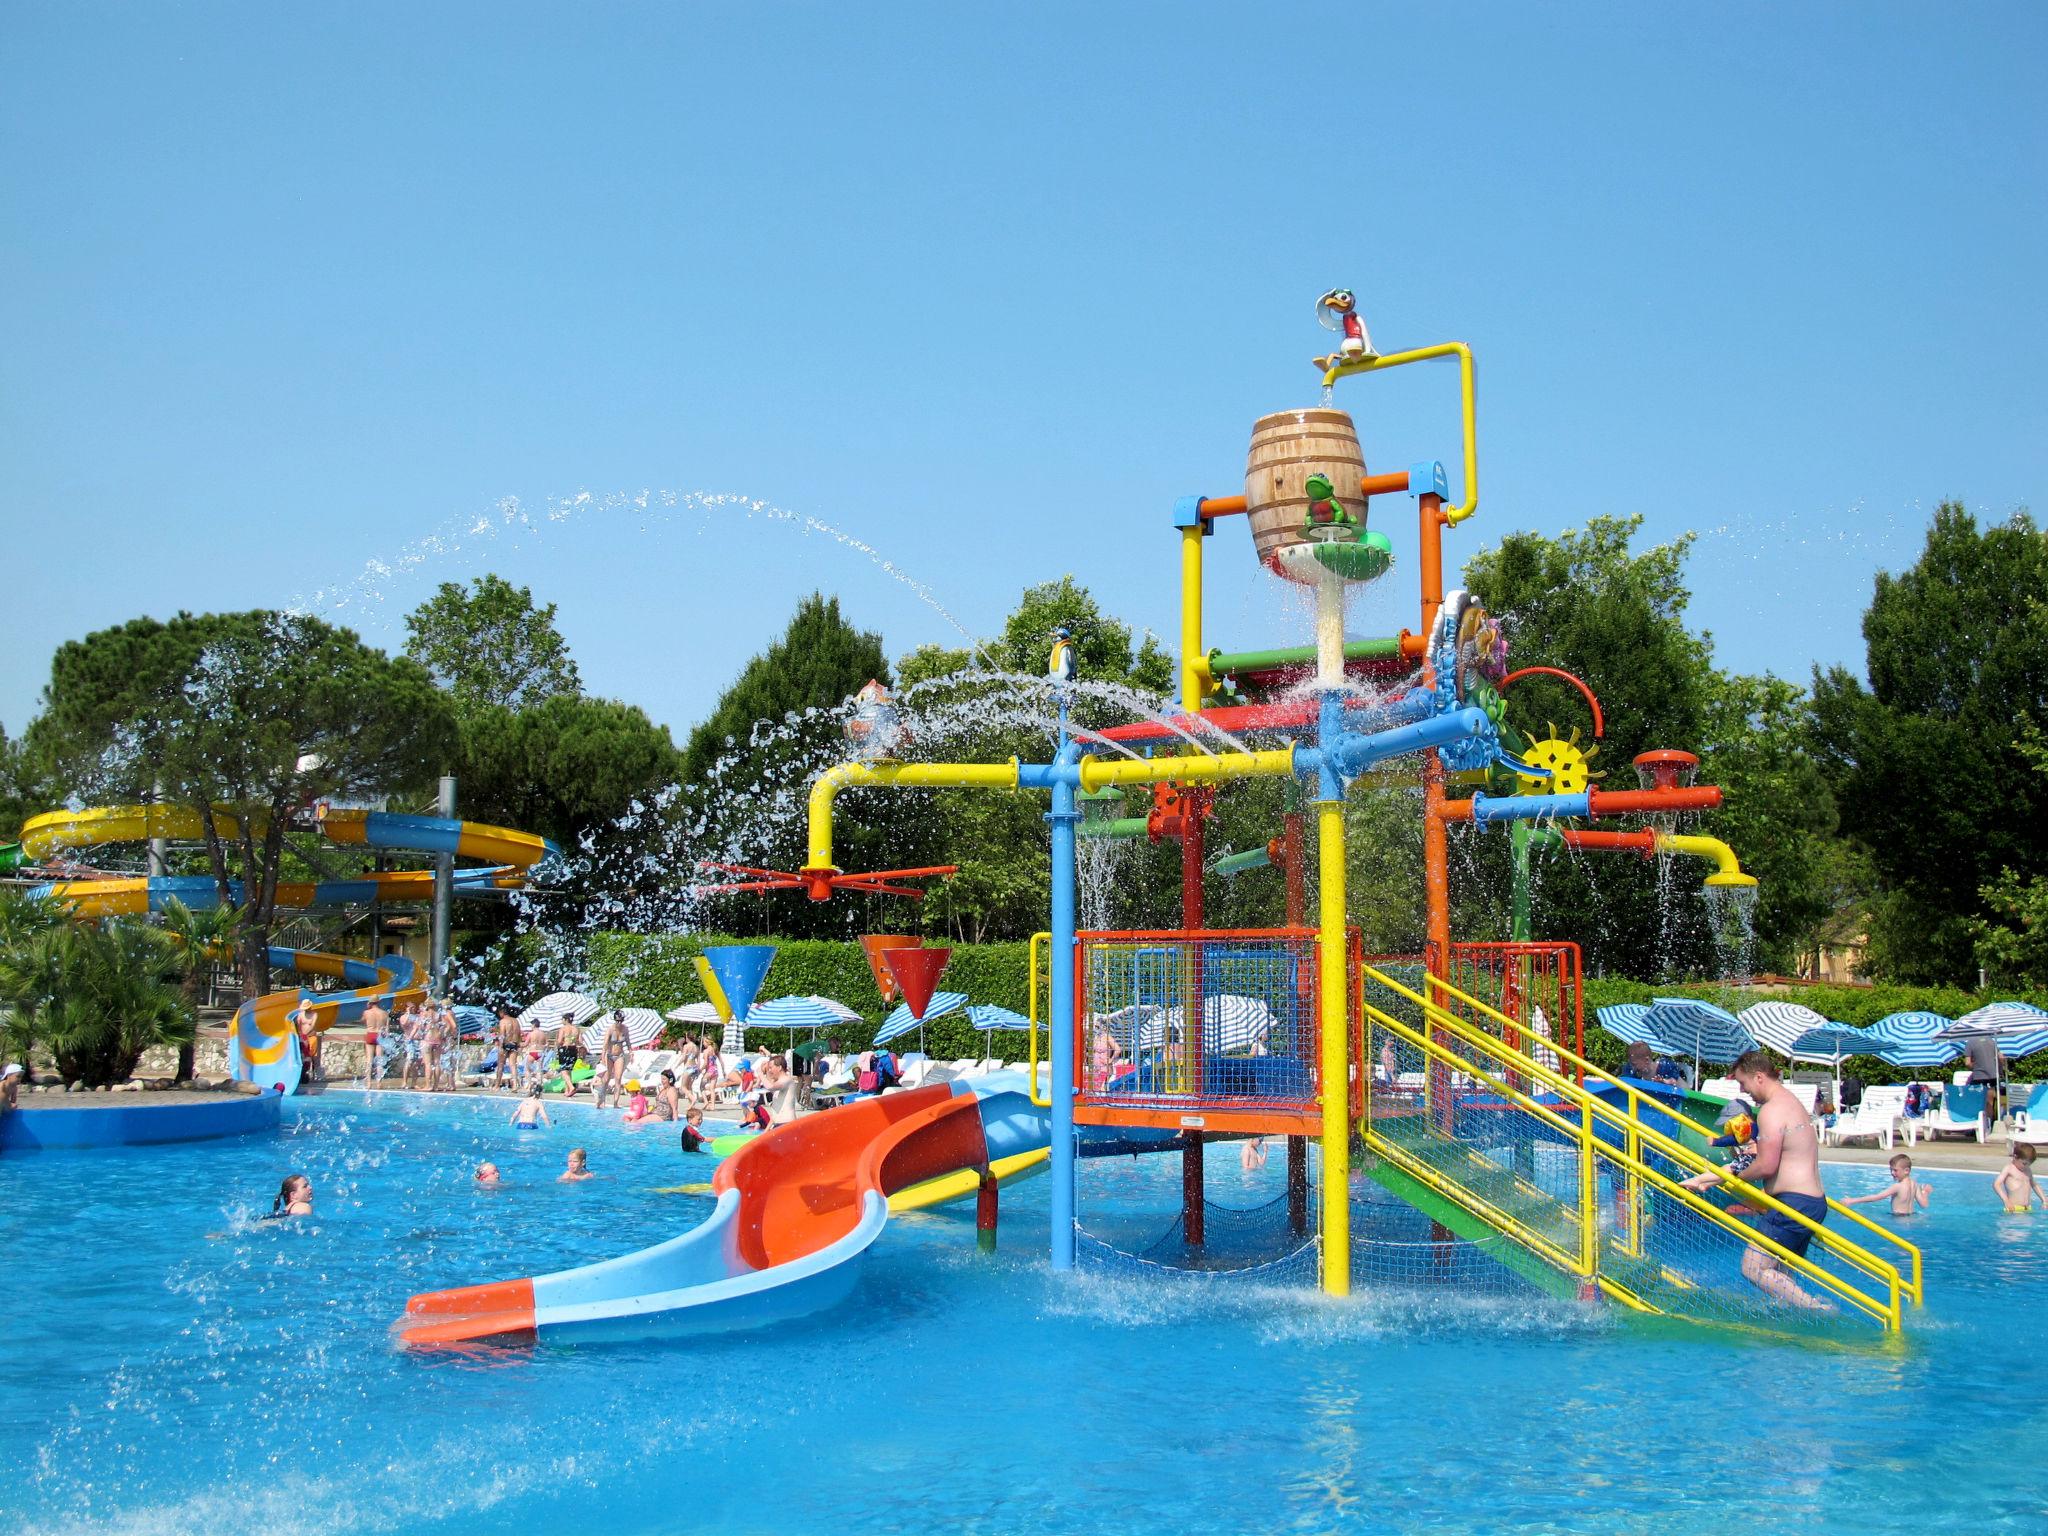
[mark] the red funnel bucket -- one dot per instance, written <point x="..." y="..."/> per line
<point x="874" y="945"/>
<point x="917" y="972"/>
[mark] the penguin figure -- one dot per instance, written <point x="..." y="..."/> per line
<point x="1062" y="666"/>
<point x="1338" y="311"/>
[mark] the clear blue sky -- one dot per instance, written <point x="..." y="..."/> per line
<point x="284" y="290"/>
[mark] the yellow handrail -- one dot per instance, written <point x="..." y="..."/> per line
<point x="1039" y="943"/>
<point x="1888" y="1314"/>
<point x="1637" y="1130"/>
<point x="1637" y="1099"/>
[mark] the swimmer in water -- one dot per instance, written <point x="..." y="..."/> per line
<point x="487" y="1176"/>
<point x="294" y="1198"/>
<point x="578" y="1169"/>
<point x="531" y="1114"/>
<point x="1252" y="1155"/>
<point x="1906" y="1193"/>
<point x="694" y="1139"/>
<point x="2016" y="1188"/>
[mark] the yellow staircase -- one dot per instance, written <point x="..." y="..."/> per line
<point x="1586" y="1177"/>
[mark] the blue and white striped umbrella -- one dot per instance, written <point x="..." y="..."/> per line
<point x="473" y="1022"/>
<point x="1689" y="1027"/>
<point x="1778" y="1024"/>
<point x="988" y="1016"/>
<point x="1629" y="1023"/>
<point x="1230" y="1022"/>
<point x="2020" y="1028"/>
<point x="902" y="1021"/>
<point x="643" y="1028"/>
<point x="1914" y="1038"/>
<point x="799" y="1013"/>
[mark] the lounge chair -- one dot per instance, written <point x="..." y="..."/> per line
<point x="2030" y="1122"/>
<point x="1960" y="1113"/>
<point x="1877" y="1115"/>
<point x="1723" y="1088"/>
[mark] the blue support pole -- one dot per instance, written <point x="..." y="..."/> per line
<point x="1064" y="817"/>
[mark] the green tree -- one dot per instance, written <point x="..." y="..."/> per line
<point x="95" y="995"/>
<point x="2012" y="939"/>
<point x="262" y="714"/>
<point x="491" y="645"/>
<point x="563" y="767"/>
<point x="1586" y="602"/>
<point x="1927" y="759"/>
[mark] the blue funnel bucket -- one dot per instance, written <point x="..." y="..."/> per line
<point x="740" y="969"/>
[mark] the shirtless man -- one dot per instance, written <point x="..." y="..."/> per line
<point x="376" y="1025"/>
<point x="511" y="1040"/>
<point x="1787" y="1163"/>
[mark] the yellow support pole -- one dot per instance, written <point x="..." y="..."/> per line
<point x="1195" y="684"/>
<point x="1336" y="1052"/>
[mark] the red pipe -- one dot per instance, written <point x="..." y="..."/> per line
<point x="1643" y="842"/>
<point x="1622" y="802"/>
<point x="1599" y="725"/>
<point x="1231" y="717"/>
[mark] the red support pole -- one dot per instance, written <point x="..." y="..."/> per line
<point x="1194" y="810"/>
<point x="985" y="1203"/>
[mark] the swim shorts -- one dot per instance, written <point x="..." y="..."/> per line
<point x="1787" y="1233"/>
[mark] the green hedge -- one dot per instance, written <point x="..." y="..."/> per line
<point x="656" y="971"/>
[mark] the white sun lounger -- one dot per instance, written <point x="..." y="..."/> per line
<point x="1878" y="1115"/>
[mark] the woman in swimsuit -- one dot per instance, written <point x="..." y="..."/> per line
<point x="612" y="1070"/>
<point x="294" y="1198"/>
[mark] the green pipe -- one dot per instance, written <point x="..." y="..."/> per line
<point x="1122" y="826"/>
<point x="10" y="856"/>
<point x="1240" y="863"/>
<point x="1222" y="664"/>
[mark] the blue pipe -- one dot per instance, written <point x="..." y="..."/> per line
<point x="1530" y="807"/>
<point x="1350" y="754"/>
<point x="1064" y="816"/>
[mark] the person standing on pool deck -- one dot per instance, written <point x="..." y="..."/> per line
<point x="611" y="1070"/>
<point x="376" y="1025"/>
<point x="509" y="1043"/>
<point x="1983" y="1052"/>
<point x="1787" y="1163"/>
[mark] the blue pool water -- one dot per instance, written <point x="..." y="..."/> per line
<point x="170" y="1364"/>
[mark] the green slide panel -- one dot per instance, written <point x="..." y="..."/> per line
<point x="1456" y="1219"/>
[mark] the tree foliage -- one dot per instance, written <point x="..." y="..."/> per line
<point x="261" y="713"/>
<point x="564" y="767"/>
<point x="1928" y="758"/>
<point x="96" y="996"/>
<point x="491" y="646"/>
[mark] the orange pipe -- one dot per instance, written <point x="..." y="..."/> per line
<point x="1429" y="509"/>
<point x="1221" y="506"/>
<point x="1643" y="842"/>
<point x="1384" y="485"/>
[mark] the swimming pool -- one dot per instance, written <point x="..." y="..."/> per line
<point x="172" y="1364"/>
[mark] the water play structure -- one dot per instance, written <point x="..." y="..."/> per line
<point x="262" y="1045"/>
<point x="1454" y="1080"/>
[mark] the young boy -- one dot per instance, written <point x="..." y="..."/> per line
<point x="1906" y="1193"/>
<point x="1737" y="1124"/>
<point x="578" y="1169"/>
<point x="2015" y="1185"/>
<point x="694" y="1139"/>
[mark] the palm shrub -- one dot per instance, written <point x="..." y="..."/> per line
<point x="203" y="936"/>
<point x="96" y="996"/>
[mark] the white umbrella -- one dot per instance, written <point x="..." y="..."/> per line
<point x="902" y="1021"/>
<point x="795" y="1013"/>
<point x="1779" y="1024"/>
<point x="2019" y="1028"/>
<point x="695" y="1013"/>
<point x="547" y="1012"/>
<point x="643" y="1028"/>
<point x="1230" y="1022"/>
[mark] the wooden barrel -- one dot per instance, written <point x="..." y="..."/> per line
<point x="1288" y="447"/>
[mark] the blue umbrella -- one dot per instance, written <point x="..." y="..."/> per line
<point x="1692" y="1028"/>
<point x="1914" y="1038"/>
<point x="988" y="1016"/>
<point x="473" y="1022"/>
<point x="902" y="1021"/>
<point x="796" y="1013"/>
<point x="2020" y="1028"/>
<point x="1830" y="1042"/>
<point x="1629" y="1023"/>
<point x="1779" y="1024"/>
<point x="1230" y="1022"/>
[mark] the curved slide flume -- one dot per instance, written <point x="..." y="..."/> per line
<point x="262" y="1047"/>
<point x="797" y="1210"/>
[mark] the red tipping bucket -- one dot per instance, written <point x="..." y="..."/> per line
<point x="874" y="945"/>
<point x="917" y="973"/>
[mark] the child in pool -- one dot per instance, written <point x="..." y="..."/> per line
<point x="694" y="1139"/>
<point x="1252" y="1155"/>
<point x="2015" y="1185"/>
<point x="1906" y="1193"/>
<point x="531" y="1114"/>
<point x="487" y="1176"/>
<point x="578" y="1169"/>
<point x="636" y="1107"/>
<point x="294" y="1197"/>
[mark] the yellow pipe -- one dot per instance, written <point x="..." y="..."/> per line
<point x="1196" y="683"/>
<point x="1203" y="768"/>
<point x="1336" y="1052"/>
<point x="1727" y="869"/>
<point x="906" y="775"/>
<point x="1466" y="390"/>
<point x="1041" y="945"/>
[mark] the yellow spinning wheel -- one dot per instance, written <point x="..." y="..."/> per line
<point x="1570" y="765"/>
